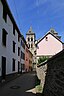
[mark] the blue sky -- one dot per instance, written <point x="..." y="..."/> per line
<point x="40" y="14"/>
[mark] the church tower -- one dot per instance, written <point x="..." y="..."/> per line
<point x="30" y="39"/>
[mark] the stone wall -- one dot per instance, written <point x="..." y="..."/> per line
<point x="41" y="73"/>
<point x="54" y="80"/>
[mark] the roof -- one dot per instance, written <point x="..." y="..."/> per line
<point x="50" y="32"/>
<point x="30" y="32"/>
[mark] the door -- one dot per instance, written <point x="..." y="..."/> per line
<point x="18" y="67"/>
<point x="3" y="67"/>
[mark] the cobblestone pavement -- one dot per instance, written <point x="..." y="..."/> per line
<point x="20" y="86"/>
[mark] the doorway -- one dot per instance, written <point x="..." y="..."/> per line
<point x="3" y="67"/>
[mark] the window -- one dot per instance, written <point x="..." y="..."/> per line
<point x="4" y="34"/>
<point x="3" y="67"/>
<point x="22" y="44"/>
<point x="31" y="39"/>
<point x="23" y="66"/>
<point x="4" y="13"/>
<point x="28" y="39"/>
<point x="22" y="55"/>
<point x="18" y="51"/>
<point x="13" y="66"/>
<point x="18" y="66"/>
<point x="14" y="46"/>
<point x="13" y="29"/>
<point x="46" y="38"/>
<point x="35" y="52"/>
<point x="28" y="45"/>
<point x="18" y="37"/>
<point x="31" y="45"/>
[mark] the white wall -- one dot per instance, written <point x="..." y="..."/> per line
<point x="22" y="61"/>
<point x="8" y="50"/>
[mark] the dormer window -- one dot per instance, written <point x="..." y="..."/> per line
<point x="46" y="38"/>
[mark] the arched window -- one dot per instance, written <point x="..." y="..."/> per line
<point x="31" y="39"/>
<point x="28" y="45"/>
<point x="31" y="45"/>
<point x="35" y="52"/>
<point x="28" y="39"/>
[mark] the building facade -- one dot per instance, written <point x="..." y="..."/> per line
<point x="23" y="42"/>
<point x="49" y="45"/>
<point x="12" y="44"/>
<point x="26" y="58"/>
<point x="30" y="61"/>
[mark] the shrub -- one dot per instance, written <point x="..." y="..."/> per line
<point x="42" y="59"/>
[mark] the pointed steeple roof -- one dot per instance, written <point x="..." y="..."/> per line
<point x="30" y="31"/>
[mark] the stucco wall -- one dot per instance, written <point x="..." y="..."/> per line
<point x="26" y="59"/>
<point x="49" y="47"/>
<point x="8" y="50"/>
<point x="22" y="60"/>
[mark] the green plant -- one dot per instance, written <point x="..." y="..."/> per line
<point x="42" y="59"/>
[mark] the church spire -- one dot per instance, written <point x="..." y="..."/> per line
<point x="30" y="30"/>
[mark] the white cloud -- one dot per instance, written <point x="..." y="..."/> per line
<point x="40" y="2"/>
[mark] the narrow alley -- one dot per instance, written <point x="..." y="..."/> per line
<point x="24" y="85"/>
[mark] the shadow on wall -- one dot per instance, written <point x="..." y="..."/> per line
<point x="54" y="80"/>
